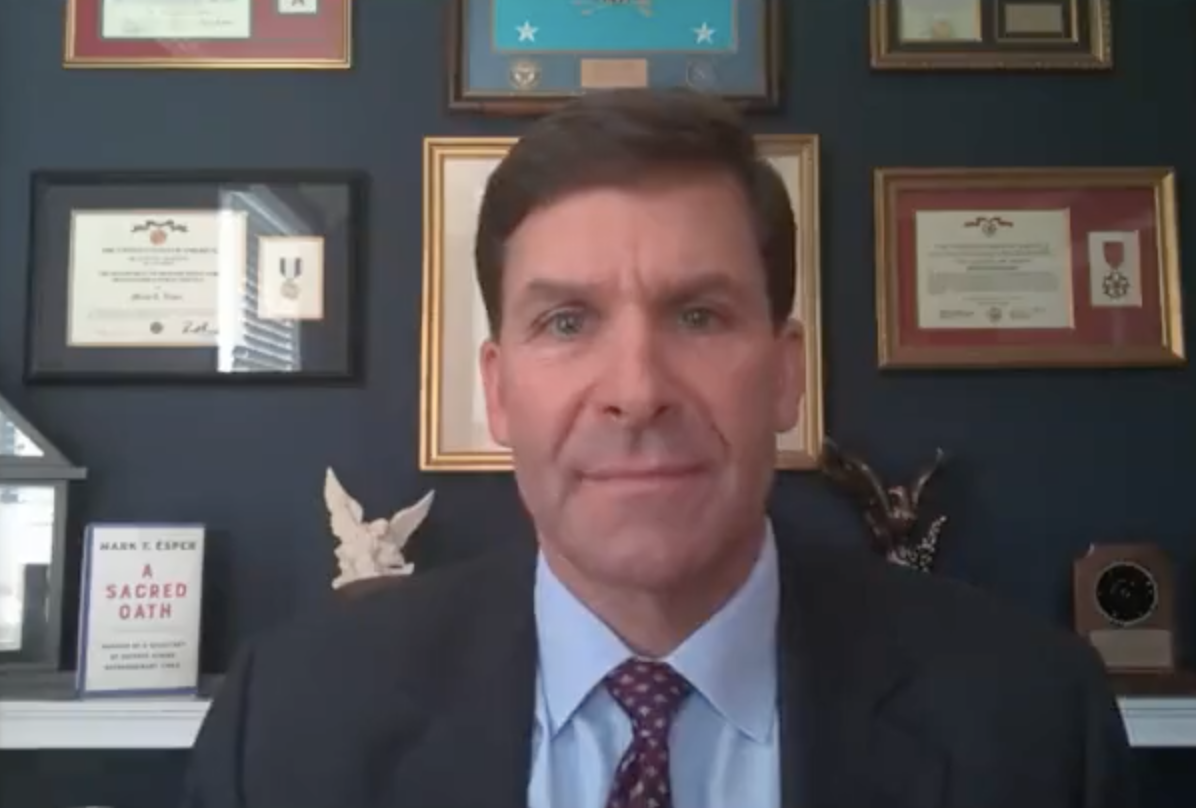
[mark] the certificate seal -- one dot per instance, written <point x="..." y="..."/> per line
<point x="942" y="29"/>
<point x="298" y="6"/>
<point x="524" y="74"/>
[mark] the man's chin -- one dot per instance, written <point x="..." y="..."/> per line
<point x="643" y="558"/>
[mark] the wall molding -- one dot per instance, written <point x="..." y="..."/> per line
<point x="1166" y="721"/>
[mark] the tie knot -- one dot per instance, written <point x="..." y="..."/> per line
<point x="649" y="692"/>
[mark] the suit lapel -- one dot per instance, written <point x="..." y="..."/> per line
<point x="841" y="675"/>
<point x="474" y="748"/>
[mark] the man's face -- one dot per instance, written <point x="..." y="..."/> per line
<point x="638" y="378"/>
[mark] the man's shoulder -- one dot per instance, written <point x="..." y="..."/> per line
<point x="965" y="670"/>
<point x="312" y="701"/>
<point x="936" y="617"/>
<point x="399" y="628"/>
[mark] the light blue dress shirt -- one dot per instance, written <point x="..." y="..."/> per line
<point x="725" y="739"/>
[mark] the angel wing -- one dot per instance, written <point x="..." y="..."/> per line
<point x="405" y="522"/>
<point x="344" y="512"/>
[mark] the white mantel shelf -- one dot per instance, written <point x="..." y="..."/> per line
<point x="1166" y="721"/>
<point x="1158" y="721"/>
<point x="101" y="723"/>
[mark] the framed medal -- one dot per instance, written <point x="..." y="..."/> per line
<point x="216" y="276"/>
<point x="1004" y="35"/>
<point x="1067" y="267"/>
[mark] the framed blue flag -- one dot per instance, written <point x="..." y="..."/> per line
<point x="528" y="56"/>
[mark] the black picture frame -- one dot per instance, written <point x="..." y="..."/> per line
<point x="484" y="81"/>
<point x="261" y="334"/>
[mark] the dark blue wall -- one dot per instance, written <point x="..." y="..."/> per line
<point x="1047" y="462"/>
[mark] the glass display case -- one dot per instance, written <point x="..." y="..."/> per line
<point x="34" y="488"/>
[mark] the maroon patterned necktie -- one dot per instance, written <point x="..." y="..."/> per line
<point x="650" y="693"/>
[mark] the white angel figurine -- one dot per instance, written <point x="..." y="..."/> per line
<point x="370" y="549"/>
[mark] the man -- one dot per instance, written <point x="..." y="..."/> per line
<point x="664" y="645"/>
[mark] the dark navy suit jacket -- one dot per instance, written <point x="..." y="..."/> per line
<point x="898" y="690"/>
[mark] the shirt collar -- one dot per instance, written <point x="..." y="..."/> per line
<point x="730" y="660"/>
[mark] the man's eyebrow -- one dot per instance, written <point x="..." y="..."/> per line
<point x="705" y="283"/>
<point x="529" y="298"/>
<point x="541" y="291"/>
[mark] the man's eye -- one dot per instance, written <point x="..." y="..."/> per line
<point x="565" y="323"/>
<point x="697" y="318"/>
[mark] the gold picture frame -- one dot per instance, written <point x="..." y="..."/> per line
<point x="1027" y="268"/>
<point x="991" y="35"/>
<point x="454" y="435"/>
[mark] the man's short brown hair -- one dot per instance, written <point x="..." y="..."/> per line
<point x="623" y="138"/>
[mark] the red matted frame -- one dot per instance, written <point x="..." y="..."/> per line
<point x="978" y="292"/>
<point x="321" y="38"/>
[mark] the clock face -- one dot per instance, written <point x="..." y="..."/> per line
<point x="1126" y="593"/>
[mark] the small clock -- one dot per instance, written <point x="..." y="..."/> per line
<point x="1126" y="593"/>
<point x="1124" y="606"/>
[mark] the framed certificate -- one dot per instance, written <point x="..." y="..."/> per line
<point x="194" y="276"/>
<point x="209" y="33"/>
<point x="527" y="56"/>
<point x="1063" y="267"/>
<point x="454" y="431"/>
<point x="991" y="34"/>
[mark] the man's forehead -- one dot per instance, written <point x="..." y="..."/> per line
<point x="610" y="241"/>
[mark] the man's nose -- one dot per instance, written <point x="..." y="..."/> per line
<point x="635" y="385"/>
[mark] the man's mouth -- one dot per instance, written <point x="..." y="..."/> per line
<point x="643" y="473"/>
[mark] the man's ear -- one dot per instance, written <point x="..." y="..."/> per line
<point x="490" y="367"/>
<point x="791" y="373"/>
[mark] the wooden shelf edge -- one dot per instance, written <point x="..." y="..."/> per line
<point x="1179" y="683"/>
